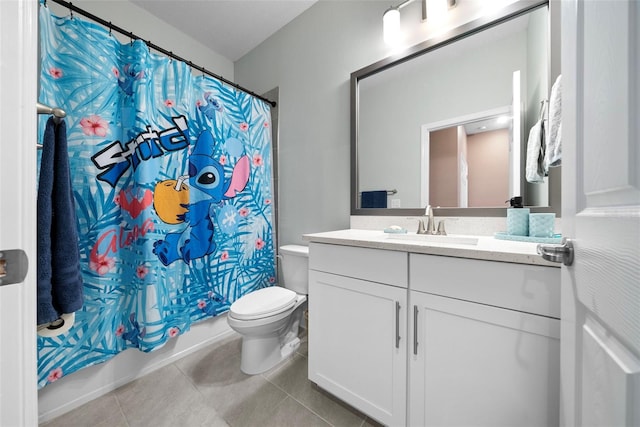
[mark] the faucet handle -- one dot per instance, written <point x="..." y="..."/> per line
<point x="421" y="229"/>
<point x="441" y="231"/>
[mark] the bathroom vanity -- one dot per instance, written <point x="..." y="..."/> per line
<point x="418" y="331"/>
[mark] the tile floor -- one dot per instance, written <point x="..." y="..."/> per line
<point x="207" y="388"/>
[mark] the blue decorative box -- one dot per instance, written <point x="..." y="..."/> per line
<point x="518" y="221"/>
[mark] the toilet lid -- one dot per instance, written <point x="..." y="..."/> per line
<point x="263" y="302"/>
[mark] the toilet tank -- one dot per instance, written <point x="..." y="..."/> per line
<point x="295" y="268"/>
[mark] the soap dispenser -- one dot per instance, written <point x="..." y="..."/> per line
<point x="517" y="218"/>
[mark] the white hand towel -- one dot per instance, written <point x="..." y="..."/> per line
<point x="534" y="170"/>
<point x="553" y="152"/>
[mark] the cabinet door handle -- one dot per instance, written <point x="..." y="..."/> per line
<point x="397" y="324"/>
<point x="415" y="330"/>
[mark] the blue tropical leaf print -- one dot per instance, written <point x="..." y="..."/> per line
<point x="136" y="122"/>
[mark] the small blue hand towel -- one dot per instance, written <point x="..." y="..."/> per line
<point x="374" y="199"/>
<point x="60" y="288"/>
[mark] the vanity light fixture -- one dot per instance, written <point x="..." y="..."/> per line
<point x="391" y="17"/>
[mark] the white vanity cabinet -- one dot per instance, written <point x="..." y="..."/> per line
<point x="357" y="327"/>
<point x="421" y="339"/>
<point x="484" y="343"/>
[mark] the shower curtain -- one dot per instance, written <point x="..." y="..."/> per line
<point x="172" y="180"/>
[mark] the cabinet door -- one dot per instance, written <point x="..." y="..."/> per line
<point x="478" y="365"/>
<point x="357" y="343"/>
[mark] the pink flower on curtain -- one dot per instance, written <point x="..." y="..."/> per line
<point x="257" y="160"/>
<point x="259" y="243"/>
<point x="54" y="72"/>
<point x="94" y="125"/>
<point x="120" y="330"/>
<point x="224" y="256"/>
<point x="198" y="103"/>
<point x="173" y="332"/>
<point x="55" y="375"/>
<point x="101" y="264"/>
<point x="169" y="103"/>
<point x="115" y="72"/>
<point x="272" y="279"/>
<point x="265" y="124"/>
<point x="244" y="127"/>
<point x="201" y="304"/>
<point x="141" y="271"/>
<point x="267" y="201"/>
<point x="243" y="211"/>
<point x="223" y="160"/>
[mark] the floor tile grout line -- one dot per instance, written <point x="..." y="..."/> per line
<point x="286" y="396"/>
<point x="124" y="416"/>
<point x="362" y="420"/>
<point x="312" y="411"/>
<point x="200" y="392"/>
<point x="290" y="395"/>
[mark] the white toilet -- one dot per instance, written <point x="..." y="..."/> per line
<point x="268" y="319"/>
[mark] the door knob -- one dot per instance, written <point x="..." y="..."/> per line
<point x="558" y="253"/>
<point x="13" y="266"/>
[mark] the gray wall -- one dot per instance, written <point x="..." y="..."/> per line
<point x="310" y="61"/>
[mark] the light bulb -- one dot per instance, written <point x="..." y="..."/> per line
<point x="436" y="10"/>
<point x="391" y="26"/>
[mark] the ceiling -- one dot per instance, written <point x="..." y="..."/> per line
<point x="230" y="28"/>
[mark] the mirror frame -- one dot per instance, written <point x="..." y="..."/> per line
<point x="513" y="10"/>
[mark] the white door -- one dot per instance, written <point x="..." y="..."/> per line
<point x="601" y="212"/>
<point x="18" y="80"/>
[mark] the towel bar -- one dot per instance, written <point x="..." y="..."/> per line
<point x="57" y="113"/>
<point x="389" y="192"/>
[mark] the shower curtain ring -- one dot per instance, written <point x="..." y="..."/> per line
<point x="110" y="28"/>
<point x="71" y="10"/>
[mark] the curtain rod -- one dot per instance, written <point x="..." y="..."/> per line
<point x="129" y="34"/>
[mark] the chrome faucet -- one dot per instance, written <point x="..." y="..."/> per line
<point x="431" y="224"/>
<point x="431" y="228"/>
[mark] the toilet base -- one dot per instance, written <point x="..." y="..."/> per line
<point x="261" y="354"/>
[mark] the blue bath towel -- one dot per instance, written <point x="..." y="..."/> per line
<point x="374" y="199"/>
<point x="59" y="279"/>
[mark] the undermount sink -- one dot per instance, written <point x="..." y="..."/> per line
<point x="434" y="238"/>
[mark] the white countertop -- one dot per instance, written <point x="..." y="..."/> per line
<point x="487" y="247"/>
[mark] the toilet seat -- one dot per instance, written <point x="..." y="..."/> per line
<point x="262" y="303"/>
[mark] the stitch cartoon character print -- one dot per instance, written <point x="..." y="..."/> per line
<point x="195" y="204"/>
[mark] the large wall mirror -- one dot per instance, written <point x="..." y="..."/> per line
<point x="446" y="124"/>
